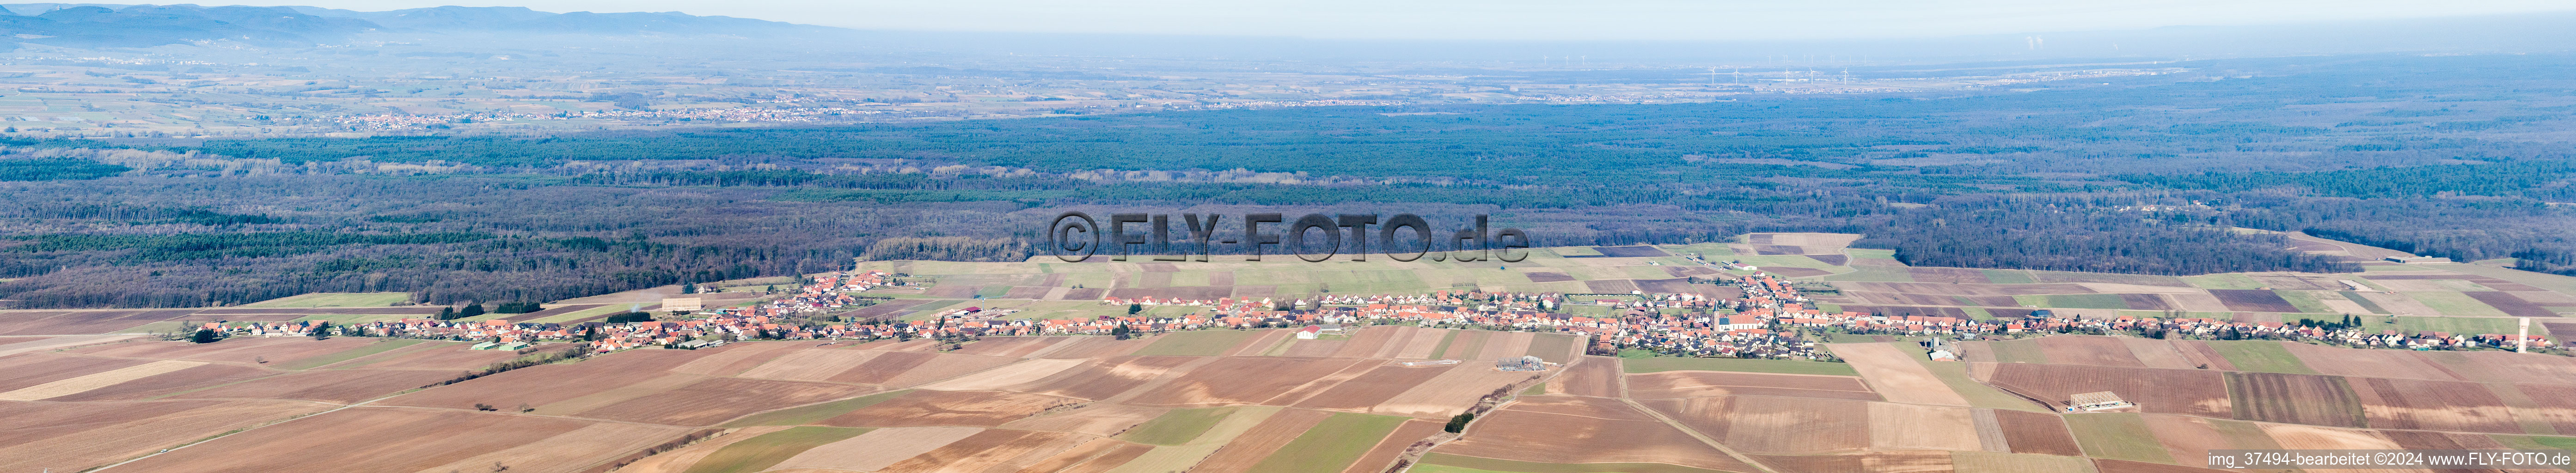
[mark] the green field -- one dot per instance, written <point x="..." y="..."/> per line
<point x="2455" y="325"/>
<point x="2008" y="276"/>
<point x="2261" y="356"/>
<point x="2075" y="301"/>
<point x="813" y="413"/>
<point x="2017" y="351"/>
<point x="2223" y="281"/>
<point x="1332" y="445"/>
<point x="1445" y="463"/>
<point x="2456" y="304"/>
<point x="2118" y="436"/>
<point x="2309" y="301"/>
<point x="759" y="453"/>
<point x="1196" y="343"/>
<point x="337" y="299"/>
<point x="1177" y="427"/>
<point x="1873" y="274"/>
<point x="1651" y="365"/>
<point x="380" y="346"/>
<point x="584" y="313"/>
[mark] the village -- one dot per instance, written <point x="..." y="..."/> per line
<point x="1771" y="321"/>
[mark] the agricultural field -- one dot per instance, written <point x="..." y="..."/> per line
<point x="1262" y="400"/>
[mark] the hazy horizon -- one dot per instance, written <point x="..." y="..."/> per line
<point x="1633" y="20"/>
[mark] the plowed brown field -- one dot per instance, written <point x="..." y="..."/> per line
<point x="990" y="450"/>
<point x="2194" y="392"/>
<point x="1015" y="347"/>
<point x="1102" y="419"/>
<point x="76" y="436"/>
<point x="1570" y="429"/>
<point x="1373" y="388"/>
<point x="1102" y="378"/>
<point x="908" y="369"/>
<point x="734" y="358"/>
<point x="2433" y="405"/>
<point x="1242" y="380"/>
<point x="432" y="355"/>
<point x="241" y="350"/>
<point x="2294" y="398"/>
<point x="2088" y="350"/>
<point x="1590" y="376"/>
<point x="30" y="369"/>
<point x="962" y="408"/>
<point x="197" y="377"/>
<point x="2367" y="362"/>
<point x="342" y="386"/>
<point x="1678" y="384"/>
<point x="716" y="400"/>
<point x="2033" y="432"/>
<point x="1765" y="424"/>
<point x="540" y="385"/>
<point x="1912" y="461"/>
<point x="373" y="439"/>
<point x="1094" y="347"/>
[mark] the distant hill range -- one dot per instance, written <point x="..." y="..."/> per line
<point x="102" y="25"/>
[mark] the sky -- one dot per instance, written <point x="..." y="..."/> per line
<point x="1529" y="20"/>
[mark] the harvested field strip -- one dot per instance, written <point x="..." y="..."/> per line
<point x="1978" y="394"/>
<point x="369" y="439"/>
<point x="1441" y="350"/>
<point x="2414" y="404"/>
<point x="2294" y="399"/>
<point x="568" y="450"/>
<point x="1178" y="426"/>
<point x="1651" y="365"/>
<point x="814" y="413"/>
<point x="1372" y="388"/>
<point x="1379" y="457"/>
<point x="341" y="386"/>
<point x="2253" y="300"/>
<point x="1893" y="373"/>
<point x="716" y="400"/>
<point x="110" y="432"/>
<point x="91" y="381"/>
<point x="2121" y="436"/>
<point x="926" y="408"/>
<point x="2032" y="432"/>
<point x="1468" y="344"/>
<point x="877" y="448"/>
<point x="1591" y="376"/>
<point x="1502" y="345"/>
<point x="2017" y="351"/>
<point x="1007" y="375"/>
<point x="1248" y="449"/>
<point x="2194" y="392"/>
<point x="1184" y="457"/>
<point x="1101" y="419"/>
<point x="1197" y="343"/>
<point x="2260" y="356"/>
<point x="990" y="450"/>
<point x="1913" y="426"/>
<point x="618" y="394"/>
<point x="1553" y="347"/>
<point x="379" y="346"/>
<point x="759" y="453"/>
<point x="1442" y="462"/>
<point x="811" y="364"/>
<point x="1261" y="343"/>
<point x="2087" y="350"/>
<point x="1990" y="462"/>
<point x="1332" y="445"/>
